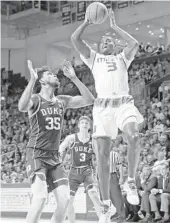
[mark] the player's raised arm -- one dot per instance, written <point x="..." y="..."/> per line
<point x="25" y="102"/>
<point x="132" y="44"/>
<point x="86" y="97"/>
<point x="77" y="41"/>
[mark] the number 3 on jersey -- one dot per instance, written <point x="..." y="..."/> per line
<point x="53" y="123"/>
<point x="83" y="157"/>
<point x="112" y="66"/>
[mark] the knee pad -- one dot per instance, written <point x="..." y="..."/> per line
<point x="39" y="189"/>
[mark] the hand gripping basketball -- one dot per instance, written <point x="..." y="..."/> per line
<point x="96" y="13"/>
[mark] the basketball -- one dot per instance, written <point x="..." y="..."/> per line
<point x="96" y="13"/>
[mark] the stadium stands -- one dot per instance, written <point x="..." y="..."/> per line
<point x="154" y="140"/>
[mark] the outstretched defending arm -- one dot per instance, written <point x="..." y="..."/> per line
<point x="86" y="97"/>
<point x="78" y="43"/>
<point x="132" y="44"/>
<point x="25" y="102"/>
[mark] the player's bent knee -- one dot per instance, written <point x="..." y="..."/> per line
<point x="133" y="138"/>
<point x="39" y="189"/>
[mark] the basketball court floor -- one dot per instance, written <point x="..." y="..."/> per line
<point x="16" y="220"/>
<point x="8" y="220"/>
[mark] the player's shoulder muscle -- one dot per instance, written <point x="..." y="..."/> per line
<point x="34" y="104"/>
<point x="125" y="60"/>
<point x="64" y="99"/>
<point x="71" y="137"/>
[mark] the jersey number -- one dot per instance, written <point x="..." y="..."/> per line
<point x="112" y="66"/>
<point x="53" y="123"/>
<point x="83" y="157"/>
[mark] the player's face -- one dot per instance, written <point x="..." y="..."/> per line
<point x="84" y="124"/>
<point x="50" y="79"/>
<point x="106" y="45"/>
<point x="146" y="171"/>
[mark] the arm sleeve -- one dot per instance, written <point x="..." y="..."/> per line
<point x="127" y="62"/>
<point x="90" y="61"/>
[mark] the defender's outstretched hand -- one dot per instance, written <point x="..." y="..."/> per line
<point x="68" y="70"/>
<point x="33" y="72"/>
<point x="112" y="19"/>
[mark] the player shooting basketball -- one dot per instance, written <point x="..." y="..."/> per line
<point x="80" y="145"/>
<point x="46" y="115"/>
<point x="114" y="108"/>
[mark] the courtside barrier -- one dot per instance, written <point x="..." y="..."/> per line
<point x="16" y="199"/>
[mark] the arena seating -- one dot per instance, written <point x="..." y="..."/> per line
<point x="154" y="136"/>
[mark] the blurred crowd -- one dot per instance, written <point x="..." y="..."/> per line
<point x="154" y="137"/>
<point x="153" y="165"/>
<point x="151" y="63"/>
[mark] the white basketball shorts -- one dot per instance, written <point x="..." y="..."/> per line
<point x="109" y="115"/>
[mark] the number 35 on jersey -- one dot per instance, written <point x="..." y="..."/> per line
<point x="53" y="123"/>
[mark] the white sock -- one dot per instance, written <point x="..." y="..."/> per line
<point x="107" y="202"/>
<point x="131" y="179"/>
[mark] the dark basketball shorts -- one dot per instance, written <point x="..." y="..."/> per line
<point x="54" y="174"/>
<point x="78" y="176"/>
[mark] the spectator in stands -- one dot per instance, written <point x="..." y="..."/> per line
<point x="161" y="160"/>
<point x="14" y="125"/>
<point x="150" y="160"/>
<point x="145" y="183"/>
<point x="159" y="126"/>
<point x="161" y="194"/>
<point x="144" y="155"/>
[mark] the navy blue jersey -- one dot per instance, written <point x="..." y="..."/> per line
<point x="81" y="153"/>
<point x="46" y="124"/>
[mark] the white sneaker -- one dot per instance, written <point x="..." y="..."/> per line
<point x="105" y="214"/>
<point x="132" y="194"/>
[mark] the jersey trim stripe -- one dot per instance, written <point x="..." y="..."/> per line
<point x="93" y="61"/>
<point x="37" y="132"/>
<point x="39" y="101"/>
<point x="124" y="62"/>
<point x="71" y="148"/>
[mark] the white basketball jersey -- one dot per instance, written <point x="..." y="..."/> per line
<point x="110" y="74"/>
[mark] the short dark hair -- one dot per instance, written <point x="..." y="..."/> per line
<point x="41" y="70"/>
